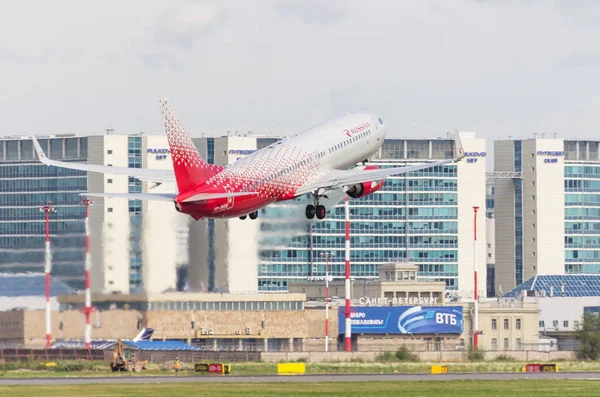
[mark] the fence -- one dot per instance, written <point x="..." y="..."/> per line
<point x="12" y="355"/>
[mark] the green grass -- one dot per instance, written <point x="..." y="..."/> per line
<point x="532" y="388"/>
<point x="261" y="368"/>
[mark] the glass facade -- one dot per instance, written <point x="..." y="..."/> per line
<point x="582" y="208"/>
<point x="412" y="218"/>
<point x="518" y="185"/>
<point x="134" y="151"/>
<point x="25" y="184"/>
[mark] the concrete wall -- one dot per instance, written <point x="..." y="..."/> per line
<point x="267" y="324"/>
<point x="441" y="356"/>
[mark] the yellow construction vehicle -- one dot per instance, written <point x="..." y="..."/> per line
<point x="124" y="360"/>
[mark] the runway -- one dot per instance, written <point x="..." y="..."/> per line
<point x="299" y="378"/>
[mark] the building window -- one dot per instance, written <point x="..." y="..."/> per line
<point x="532" y="169"/>
<point x="413" y="275"/>
<point x="533" y="254"/>
<point x="533" y="239"/>
<point x="566" y="323"/>
<point x="533" y="225"/>
<point x="109" y="151"/>
<point x="109" y="180"/>
<point x="506" y="344"/>
<point x="505" y="323"/>
<point x="518" y="344"/>
<point x="110" y="209"/>
<point x="494" y="323"/>
<point x="518" y="323"/>
<point x="533" y="196"/>
<point x="555" y="323"/>
<point x="541" y="324"/>
<point x="489" y="245"/>
<point x="489" y="255"/>
<point x="494" y="344"/>
<point x="576" y="324"/>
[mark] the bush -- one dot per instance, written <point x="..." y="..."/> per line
<point x="504" y="357"/>
<point x="405" y="354"/>
<point x="475" y="355"/>
<point x="402" y="354"/>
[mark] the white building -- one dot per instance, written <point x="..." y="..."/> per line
<point x="136" y="245"/>
<point x="548" y="214"/>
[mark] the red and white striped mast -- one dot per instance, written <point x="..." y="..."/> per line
<point x="475" y="297"/>
<point x="348" y="330"/>
<point x="48" y="208"/>
<point x="88" y="268"/>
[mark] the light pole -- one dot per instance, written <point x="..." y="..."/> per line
<point x="48" y="208"/>
<point x="326" y="255"/>
<point x="88" y="267"/>
<point x="475" y="304"/>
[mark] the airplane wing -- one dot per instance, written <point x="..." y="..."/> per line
<point x="169" y="196"/>
<point x="335" y="179"/>
<point x="157" y="176"/>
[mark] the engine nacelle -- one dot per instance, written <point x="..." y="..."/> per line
<point x="365" y="188"/>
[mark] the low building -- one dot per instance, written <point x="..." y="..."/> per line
<point x="397" y="284"/>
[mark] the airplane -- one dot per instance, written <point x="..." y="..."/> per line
<point x="102" y="344"/>
<point x="315" y="161"/>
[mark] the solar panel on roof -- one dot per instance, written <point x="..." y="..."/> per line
<point x="568" y="285"/>
<point x="15" y="285"/>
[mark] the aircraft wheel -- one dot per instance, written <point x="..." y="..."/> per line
<point x="243" y="217"/>
<point x="253" y="215"/>
<point x="320" y="211"/>
<point x="310" y="211"/>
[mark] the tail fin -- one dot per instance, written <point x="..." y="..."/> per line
<point x="190" y="168"/>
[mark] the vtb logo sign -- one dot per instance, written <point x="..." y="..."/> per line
<point x="445" y="318"/>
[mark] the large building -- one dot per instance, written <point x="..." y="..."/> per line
<point x="25" y="184"/>
<point x="548" y="215"/>
<point x="424" y="217"/>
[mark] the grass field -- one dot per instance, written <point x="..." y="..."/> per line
<point x="531" y="388"/>
<point x="260" y="368"/>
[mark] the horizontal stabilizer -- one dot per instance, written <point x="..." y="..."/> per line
<point x="210" y="196"/>
<point x="134" y="196"/>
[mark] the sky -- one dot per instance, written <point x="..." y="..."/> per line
<point x="499" y="67"/>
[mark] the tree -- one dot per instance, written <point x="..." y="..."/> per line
<point x="588" y="335"/>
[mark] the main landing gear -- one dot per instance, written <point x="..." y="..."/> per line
<point x="252" y="215"/>
<point x="315" y="210"/>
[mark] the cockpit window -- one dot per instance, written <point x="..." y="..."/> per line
<point x="380" y="121"/>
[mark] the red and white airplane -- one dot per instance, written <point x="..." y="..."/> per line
<point x="315" y="161"/>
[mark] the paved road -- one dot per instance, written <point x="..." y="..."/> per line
<point x="298" y="378"/>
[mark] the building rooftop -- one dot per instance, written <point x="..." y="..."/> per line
<point x="30" y="284"/>
<point x="564" y="285"/>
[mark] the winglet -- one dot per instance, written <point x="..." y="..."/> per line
<point x="38" y="148"/>
<point x="459" y="151"/>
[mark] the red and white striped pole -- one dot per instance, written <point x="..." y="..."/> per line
<point x="88" y="267"/>
<point x="348" y="333"/>
<point x="326" y="255"/>
<point x="47" y="269"/>
<point x="475" y="297"/>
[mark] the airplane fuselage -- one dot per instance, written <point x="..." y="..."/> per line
<point x="278" y="170"/>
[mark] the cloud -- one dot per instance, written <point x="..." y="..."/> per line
<point x="314" y="11"/>
<point x="581" y="59"/>
<point x="160" y="61"/>
<point x="182" y="26"/>
<point x="9" y="55"/>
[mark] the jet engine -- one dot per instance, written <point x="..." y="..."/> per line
<point x="365" y="188"/>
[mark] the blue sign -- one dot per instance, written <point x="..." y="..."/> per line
<point x="161" y="153"/>
<point x="240" y="151"/>
<point x="412" y="320"/>
<point x="475" y="154"/>
<point x="550" y="153"/>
